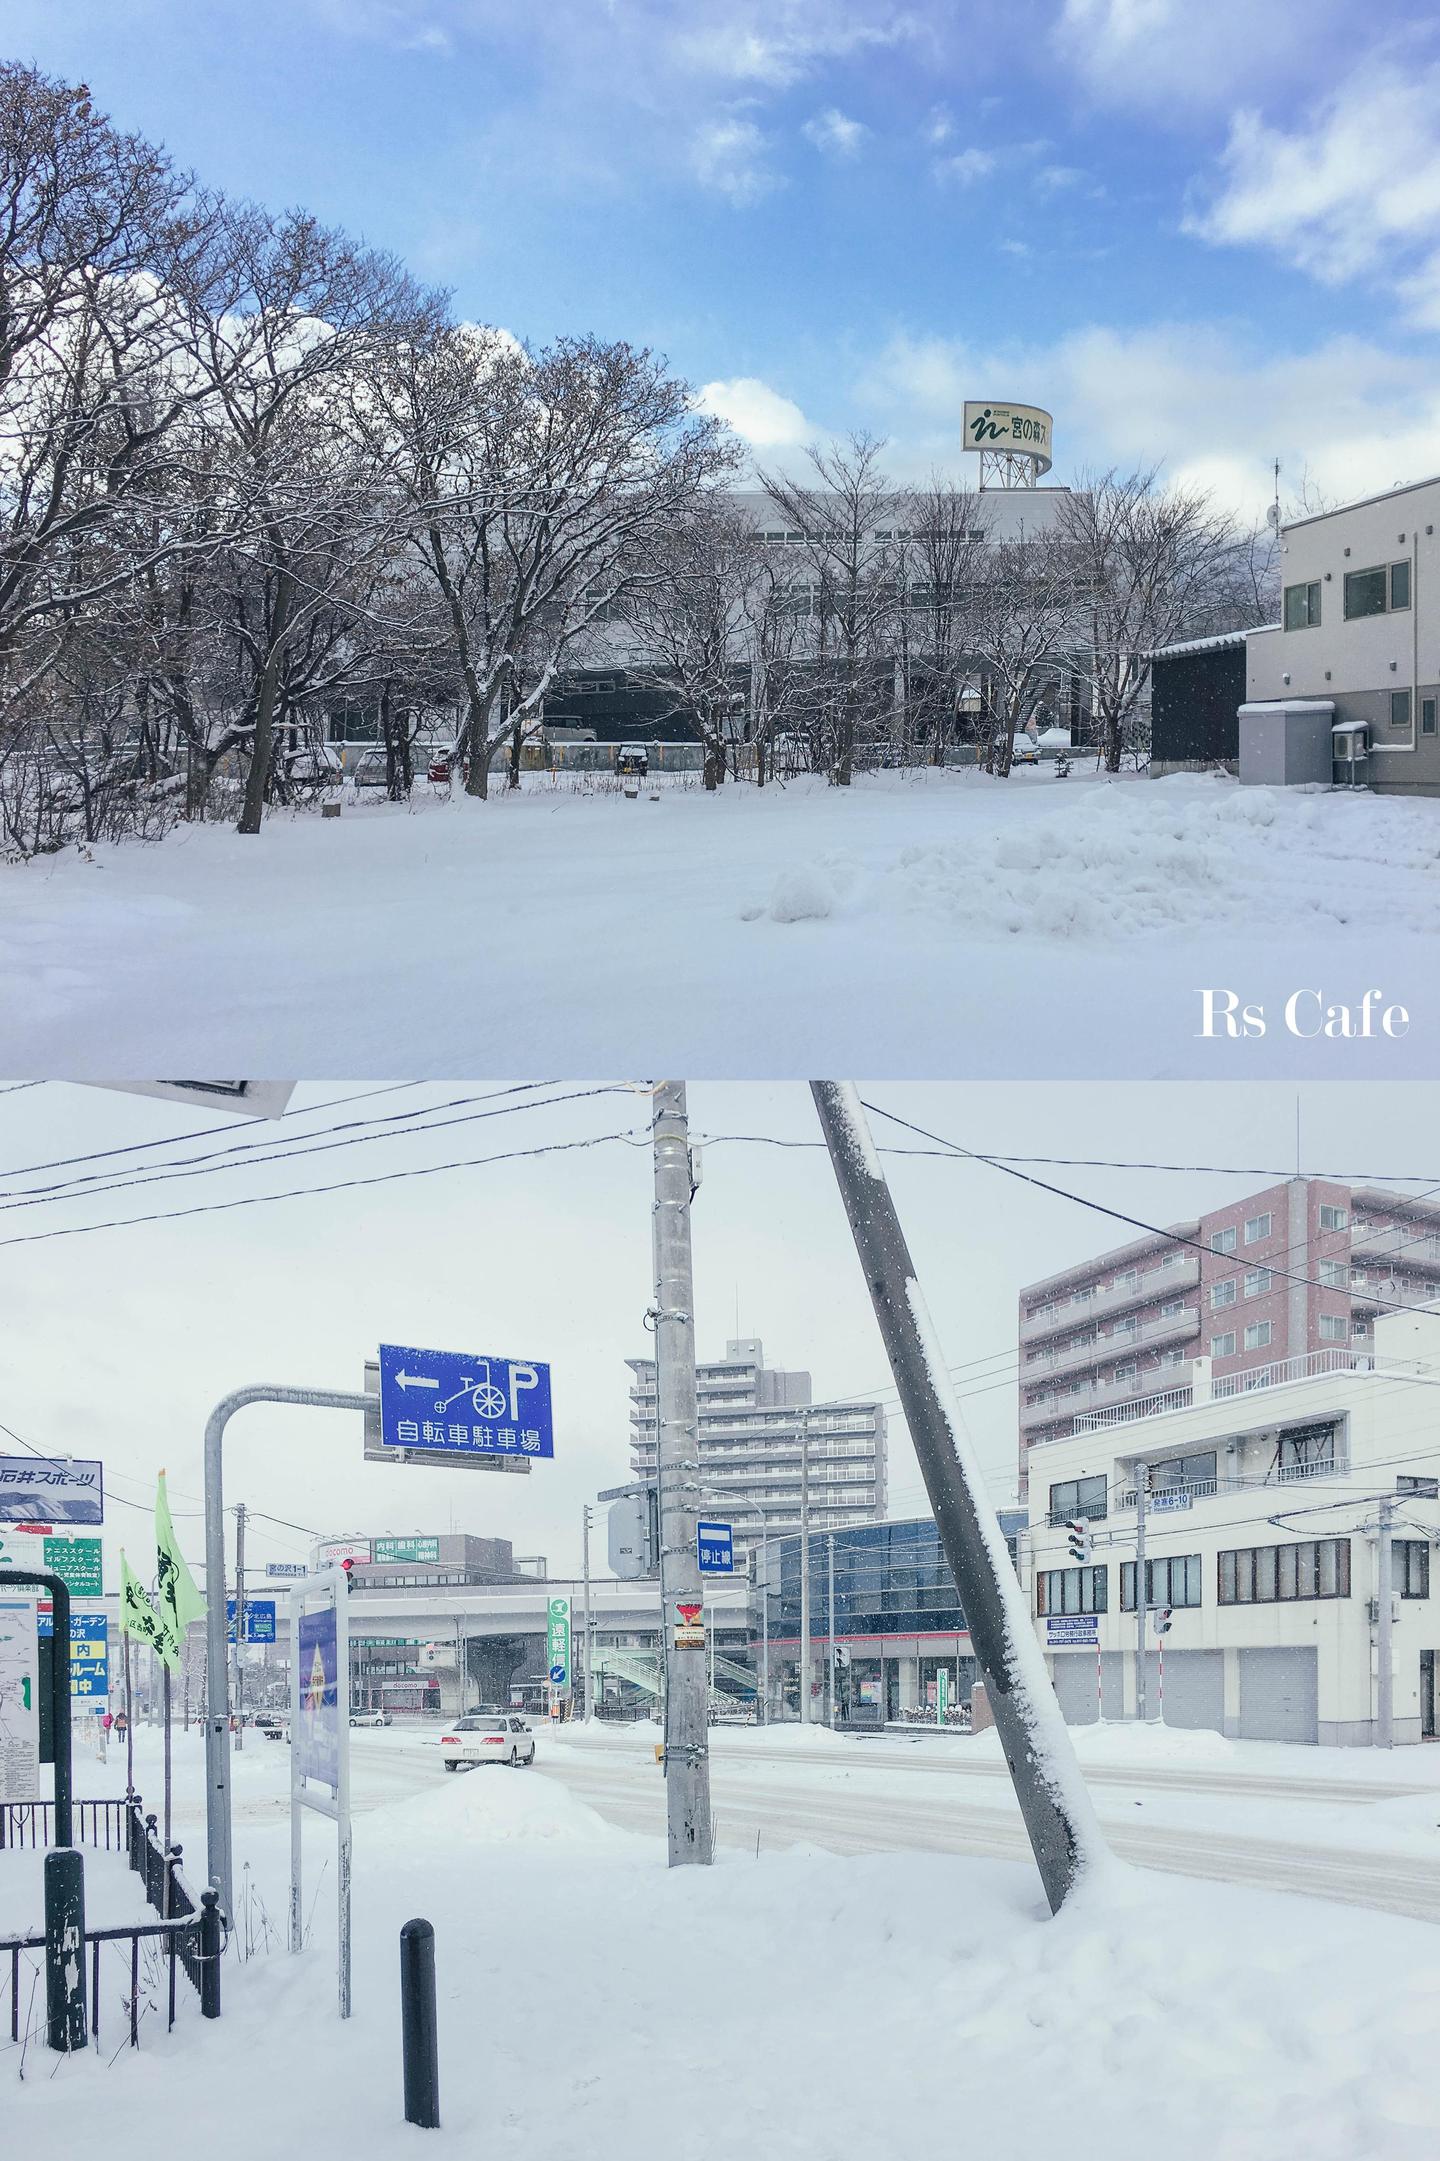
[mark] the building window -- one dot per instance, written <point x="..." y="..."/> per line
<point x="1423" y="1489"/>
<point x="1399" y="708"/>
<point x="1223" y="1241"/>
<point x="1222" y="1293"/>
<point x="1331" y="1218"/>
<point x="1334" y="1328"/>
<point x="1302" y="606"/>
<point x="1172" y="1309"/>
<point x="1258" y="1281"/>
<point x="1072" y="1590"/>
<point x="1223" y="1346"/>
<point x="1129" y="1281"/>
<point x="1271" y="1575"/>
<point x="1400" y="585"/>
<point x="1187" y="1474"/>
<point x="1126" y="1370"/>
<point x="1410" y="1567"/>
<point x="1256" y="1228"/>
<point x="1427" y="716"/>
<point x="1257" y="1336"/>
<point x="1306" y="1454"/>
<point x="1078" y="1497"/>
<point x="1334" y="1275"/>
<point x="1365" y="592"/>
<point x="1171" y="1582"/>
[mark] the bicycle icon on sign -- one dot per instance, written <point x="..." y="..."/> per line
<point x="486" y="1399"/>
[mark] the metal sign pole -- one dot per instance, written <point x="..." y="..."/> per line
<point x="217" y="1707"/>
<point x="341" y="1595"/>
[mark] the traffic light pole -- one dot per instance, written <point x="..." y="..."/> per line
<point x="218" y="1843"/>
<point x="1061" y="1823"/>
<point x="687" y="1734"/>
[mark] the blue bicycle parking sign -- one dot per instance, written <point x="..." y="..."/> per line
<point x="465" y="1404"/>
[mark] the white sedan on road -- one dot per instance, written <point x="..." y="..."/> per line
<point x="487" y="1740"/>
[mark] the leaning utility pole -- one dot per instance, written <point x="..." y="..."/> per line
<point x="805" y="1570"/>
<point x="1061" y="1823"/>
<point x="687" y="1740"/>
<point x="1384" y="1641"/>
<point x="1142" y="1490"/>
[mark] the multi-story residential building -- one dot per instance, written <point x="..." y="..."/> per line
<point x="1269" y="1490"/>
<point x="1355" y="649"/>
<point x="1296" y="1268"/>
<point x="756" y="1421"/>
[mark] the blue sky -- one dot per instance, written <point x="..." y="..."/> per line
<point x="1205" y="235"/>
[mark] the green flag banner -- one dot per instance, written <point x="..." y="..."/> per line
<point x="175" y="1593"/>
<point x="139" y="1619"/>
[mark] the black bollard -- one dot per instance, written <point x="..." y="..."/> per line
<point x="417" y="2025"/>
<point x="65" y="1948"/>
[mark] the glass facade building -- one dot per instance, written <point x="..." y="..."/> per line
<point x="898" y="1619"/>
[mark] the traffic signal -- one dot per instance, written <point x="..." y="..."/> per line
<point x="1078" y="1539"/>
<point x="1161" y="1617"/>
<point x="348" y="1564"/>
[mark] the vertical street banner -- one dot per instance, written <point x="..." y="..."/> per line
<point x="19" y="1701"/>
<point x="316" y="1738"/>
<point x="557" y="1642"/>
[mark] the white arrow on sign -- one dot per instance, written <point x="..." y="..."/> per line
<point x="413" y="1380"/>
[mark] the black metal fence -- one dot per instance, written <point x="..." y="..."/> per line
<point x="95" y="1823"/>
<point x="187" y="1934"/>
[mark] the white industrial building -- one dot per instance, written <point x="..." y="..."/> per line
<point x="1272" y="1491"/>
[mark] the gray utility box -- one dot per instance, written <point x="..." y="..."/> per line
<point x="1285" y="742"/>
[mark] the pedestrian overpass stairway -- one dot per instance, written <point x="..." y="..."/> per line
<point x="641" y="1670"/>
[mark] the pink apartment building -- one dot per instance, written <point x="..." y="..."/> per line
<point x="1296" y="1269"/>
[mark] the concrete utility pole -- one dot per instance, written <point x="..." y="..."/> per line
<point x="764" y="1620"/>
<point x="1061" y="1823"/>
<point x="1142" y="1488"/>
<point x="805" y="1571"/>
<point x="589" y="1635"/>
<point x="240" y="1623"/>
<point x="830" y="1574"/>
<point x="1384" y="1641"/>
<point x="687" y="1733"/>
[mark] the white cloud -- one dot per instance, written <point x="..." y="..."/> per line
<point x="731" y="156"/>
<point x="765" y="419"/>
<point x="775" y="43"/>
<point x="1171" y="56"/>
<point x="1205" y="400"/>
<point x="1352" y="191"/>
<point x="965" y="168"/>
<point x="1055" y="179"/>
<point x="835" y="133"/>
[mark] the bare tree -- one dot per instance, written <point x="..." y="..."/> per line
<point x="1154" y="565"/>
<point x="692" y="620"/>
<point x="847" y="514"/>
<point x="1026" y="620"/>
<point x="542" y="487"/>
<point x="941" y="558"/>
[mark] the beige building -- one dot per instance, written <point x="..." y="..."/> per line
<point x="1357" y="648"/>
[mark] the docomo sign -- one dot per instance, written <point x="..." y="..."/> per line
<point x="1025" y="429"/>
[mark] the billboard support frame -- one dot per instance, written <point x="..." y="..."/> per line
<point x="331" y="1582"/>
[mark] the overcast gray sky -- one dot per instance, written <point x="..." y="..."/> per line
<point x="118" y="1342"/>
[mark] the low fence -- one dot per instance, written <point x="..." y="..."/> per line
<point x="187" y="1932"/>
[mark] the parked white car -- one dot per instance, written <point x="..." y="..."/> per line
<point x="501" y="1739"/>
<point x="369" y="1718"/>
<point x="1026" y="751"/>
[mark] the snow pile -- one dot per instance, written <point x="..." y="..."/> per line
<point x="1128" y="1745"/>
<point x="592" y="2001"/>
<point x="992" y="919"/>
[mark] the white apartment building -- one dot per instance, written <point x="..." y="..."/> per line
<point x="756" y="1425"/>
<point x="1267" y="1489"/>
<point x="1353" y="666"/>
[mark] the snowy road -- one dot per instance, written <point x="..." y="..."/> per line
<point x="782" y="1803"/>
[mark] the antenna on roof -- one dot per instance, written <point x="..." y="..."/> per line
<point x="1272" y="515"/>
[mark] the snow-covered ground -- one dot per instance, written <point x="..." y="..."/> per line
<point x="593" y="2004"/>
<point x="913" y="924"/>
